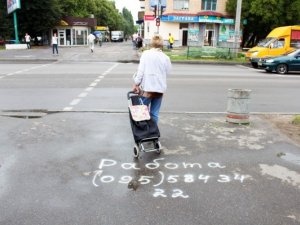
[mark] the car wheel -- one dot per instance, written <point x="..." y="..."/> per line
<point x="282" y="69"/>
<point x="255" y="65"/>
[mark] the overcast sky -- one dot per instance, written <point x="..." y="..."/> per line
<point x="131" y="5"/>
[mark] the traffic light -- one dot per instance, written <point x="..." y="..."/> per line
<point x="157" y="21"/>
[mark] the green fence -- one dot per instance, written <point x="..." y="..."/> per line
<point x="209" y="52"/>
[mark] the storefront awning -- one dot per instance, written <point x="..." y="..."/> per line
<point x="77" y="21"/>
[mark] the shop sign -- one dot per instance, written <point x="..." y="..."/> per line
<point x="172" y="18"/>
<point x="232" y="21"/>
<point x="210" y="19"/>
<point x="228" y="21"/>
<point x="149" y="17"/>
<point x="80" y="23"/>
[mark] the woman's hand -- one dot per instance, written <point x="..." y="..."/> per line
<point x="136" y="88"/>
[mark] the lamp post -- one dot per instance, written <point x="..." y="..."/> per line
<point x="237" y="27"/>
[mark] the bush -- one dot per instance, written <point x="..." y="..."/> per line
<point x="296" y="120"/>
<point x="209" y="52"/>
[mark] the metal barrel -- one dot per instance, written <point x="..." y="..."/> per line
<point x="238" y="106"/>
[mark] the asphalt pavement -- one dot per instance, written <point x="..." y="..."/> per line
<point x="77" y="53"/>
<point x="77" y="167"/>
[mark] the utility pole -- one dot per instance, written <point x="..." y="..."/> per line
<point x="158" y="16"/>
<point x="237" y="27"/>
<point x="16" y="27"/>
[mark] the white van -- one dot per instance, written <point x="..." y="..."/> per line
<point x="117" y="35"/>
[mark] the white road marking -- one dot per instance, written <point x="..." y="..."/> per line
<point x="89" y="88"/>
<point x="82" y="95"/>
<point x="26" y="70"/>
<point x="67" y="108"/>
<point x="93" y="84"/>
<point x="75" y="101"/>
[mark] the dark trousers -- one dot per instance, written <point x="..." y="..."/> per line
<point x="54" y="46"/>
<point x="28" y="45"/>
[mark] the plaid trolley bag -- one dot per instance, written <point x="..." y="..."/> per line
<point x="144" y="128"/>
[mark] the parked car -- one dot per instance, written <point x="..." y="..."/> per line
<point x="282" y="64"/>
<point x="10" y="41"/>
<point x="279" y="41"/>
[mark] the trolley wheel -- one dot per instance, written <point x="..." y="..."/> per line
<point x="136" y="151"/>
<point x="157" y="146"/>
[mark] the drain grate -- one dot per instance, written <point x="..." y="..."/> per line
<point x="25" y="114"/>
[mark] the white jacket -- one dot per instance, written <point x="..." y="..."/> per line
<point x="153" y="70"/>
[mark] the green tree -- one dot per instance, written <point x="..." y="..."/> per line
<point x="264" y="15"/>
<point x="78" y="8"/>
<point x="6" y="22"/>
<point x="107" y="15"/>
<point x="128" y="22"/>
<point x="38" y="16"/>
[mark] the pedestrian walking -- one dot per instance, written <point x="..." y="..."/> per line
<point x="91" y="41"/>
<point x="171" y="41"/>
<point x="27" y="40"/>
<point x="134" y="36"/>
<point x="139" y="41"/>
<point x="55" y="43"/>
<point x="150" y="80"/>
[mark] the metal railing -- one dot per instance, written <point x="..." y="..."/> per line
<point x="210" y="52"/>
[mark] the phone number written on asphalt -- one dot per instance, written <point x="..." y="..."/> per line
<point x="102" y="176"/>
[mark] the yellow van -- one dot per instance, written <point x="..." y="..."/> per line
<point x="279" y="41"/>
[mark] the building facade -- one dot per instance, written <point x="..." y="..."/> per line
<point x="73" y="31"/>
<point x="191" y="22"/>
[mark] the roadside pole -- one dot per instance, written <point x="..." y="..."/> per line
<point x="16" y="27"/>
<point x="237" y="27"/>
<point x="12" y="7"/>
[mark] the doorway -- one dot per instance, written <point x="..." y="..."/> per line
<point x="61" y="37"/>
<point x="184" y="37"/>
<point x="209" y="35"/>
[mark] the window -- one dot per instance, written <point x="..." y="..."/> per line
<point x="278" y="44"/>
<point x="209" y="5"/>
<point x="181" y="4"/>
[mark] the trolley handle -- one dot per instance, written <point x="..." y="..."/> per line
<point x="131" y="93"/>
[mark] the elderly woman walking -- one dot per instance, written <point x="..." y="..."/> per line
<point x="151" y="78"/>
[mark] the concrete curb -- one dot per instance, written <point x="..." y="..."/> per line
<point x="28" y="60"/>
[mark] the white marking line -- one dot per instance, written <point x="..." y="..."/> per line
<point x="82" y="95"/>
<point x="25" y="70"/>
<point x="93" y="84"/>
<point x="89" y="88"/>
<point x="67" y="108"/>
<point x="75" y="101"/>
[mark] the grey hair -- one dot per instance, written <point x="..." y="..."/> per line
<point x="157" y="41"/>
